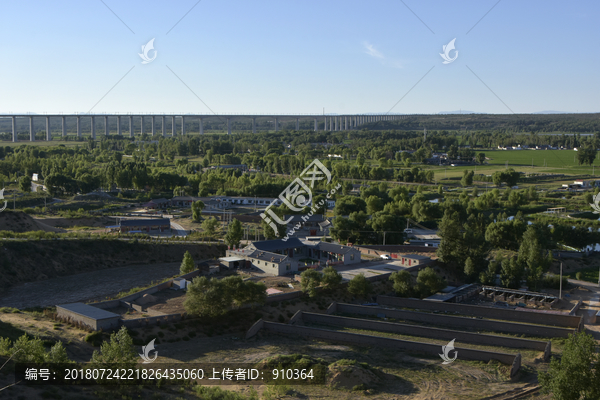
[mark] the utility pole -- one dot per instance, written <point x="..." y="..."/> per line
<point x="384" y="238"/>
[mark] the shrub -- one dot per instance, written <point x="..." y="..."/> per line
<point x="578" y="276"/>
<point x="94" y="338"/>
<point x="553" y="281"/>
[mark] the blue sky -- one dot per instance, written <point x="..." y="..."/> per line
<point x="292" y="56"/>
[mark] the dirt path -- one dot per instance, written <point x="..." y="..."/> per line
<point x="96" y="285"/>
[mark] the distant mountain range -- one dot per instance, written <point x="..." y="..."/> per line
<point x="460" y="112"/>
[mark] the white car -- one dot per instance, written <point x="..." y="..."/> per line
<point x="407" y="230"/>
<point x="386" y="257"/>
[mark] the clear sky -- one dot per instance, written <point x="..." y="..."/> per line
<point x="300" y="56"/>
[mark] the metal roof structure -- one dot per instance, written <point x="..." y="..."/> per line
<point x="88" y="311"/>
<point x="231" y="259"/>
<point x="278" y="244"/>
<point x="331" y="247"/>
<point x="145" y="222"/>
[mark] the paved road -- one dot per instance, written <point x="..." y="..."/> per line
<point x="590" y="306"/>
<point x="178" y="228"/>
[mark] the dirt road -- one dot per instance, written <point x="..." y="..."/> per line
<point x="96" y="285"/>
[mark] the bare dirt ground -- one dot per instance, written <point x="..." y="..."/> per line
<point x="21" y="222"/>
<point x="99" y="222"/>
<point x="96" y="285"/>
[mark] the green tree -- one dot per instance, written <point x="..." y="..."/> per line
<point x="480" y="158"/>
<point x="215" y="297"/>
<point x="25" y="184"/>
<point x="197" y="207"/>
<point x="470" y="268"/>
<point x="187" y="265"/>
<point x="310" y="281"/>
<point x="359" y="286"/>
<point x="429" y="282"/>
<point x="32" y="350"/>
<point x="576" y="375"/>
<point x="118" y="350"/>
<point x="331" y="278"/>
<point x="403" y="283"/>
<point x="534" y="253"/>
<point x="511" y="273"/>
<point x="209" y="226"/>
<point x="234" y="233"/>
<point x="467" y="179"/>
<point x="586" y="155"/>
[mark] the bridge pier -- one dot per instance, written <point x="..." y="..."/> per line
<point x="106" y="130"/>
<point x="64" y="127"/>
<point x="131" y="126"/>
<point x="14" y="129"/>
<point x="31" y="133"/>
<point x="78" y="126"/>
<point x="164" y="129"/>
<point x="182" y="125"/>
<point x="93" y="127"/>
<point x="119" y="129"/>
<point x="276" y="124"/>
<point x="229" y="126"/>
<point x="173" y="126"/>
<point x="201" y="126"/>
<point x="297" y="124"/>
<point x="48" y="133"/>
<point x="316" y="126"/>
<point x="142" y="125"/>
<point x="153" y="125"/>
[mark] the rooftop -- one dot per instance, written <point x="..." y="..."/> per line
<point x="145" y="222"/>
<point x="278" y="244"/>
<point x="88" y="311"/>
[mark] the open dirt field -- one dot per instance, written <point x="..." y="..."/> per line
<point x="96" y="285"/>
<point x="21" y="222"/>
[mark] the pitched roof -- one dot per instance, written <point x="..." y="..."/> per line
<point x="267" y="256"/>
<point x="278" y="244"/>
<point x="334" y="248"/>
<point x="88" y="311"/>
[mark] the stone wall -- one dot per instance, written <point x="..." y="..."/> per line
<point x="444" y="335"/>
<point x="472" y="324"/>
<point x="533" y="317"/>
<point x="388" y="343"/>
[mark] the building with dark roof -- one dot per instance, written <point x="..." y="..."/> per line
<point x="95" y="318"/>
<point x="145" y="225"/>
<point x="281" y="257"/>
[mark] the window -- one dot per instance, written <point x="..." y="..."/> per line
<point x="288" y="267"/>
<point x="351" y="256"/>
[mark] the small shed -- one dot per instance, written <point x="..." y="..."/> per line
<point x="181" y="283"/>
<point x="232" y="262"/>
<point x="95" y="318"/>
<point x="411" y="260"/>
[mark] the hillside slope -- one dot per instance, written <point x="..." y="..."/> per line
<point x="30" y="261"/>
